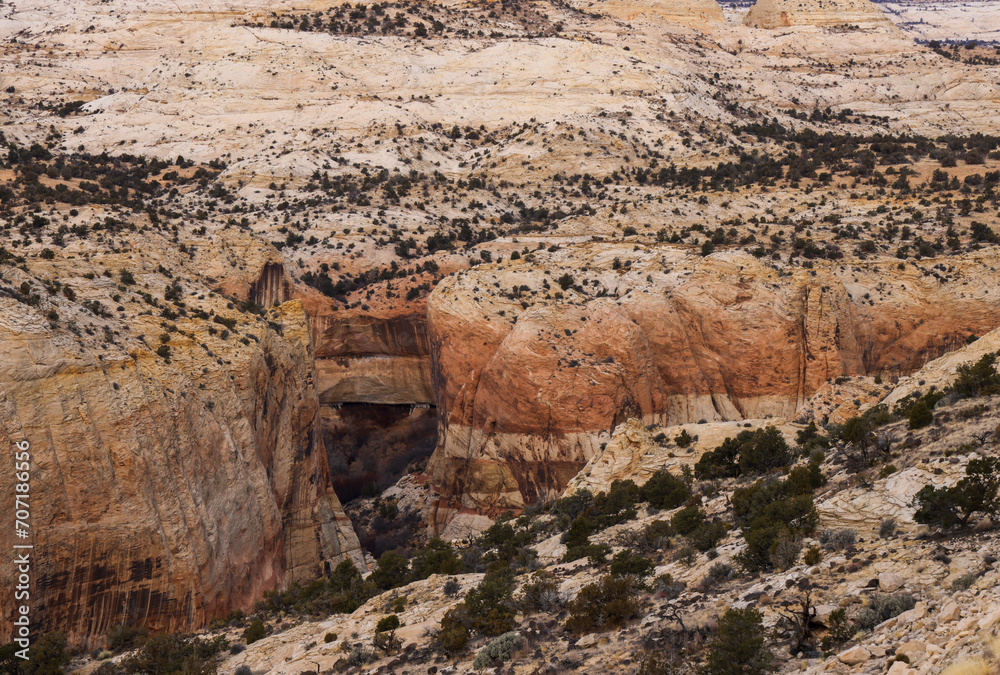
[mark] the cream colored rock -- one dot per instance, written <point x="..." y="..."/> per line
<point x="701" y="14"/>
<point x="633" y="454"/>
<point x="783" y="13"/>
<point x="912" y="648"/>
<point x="854" y="656"/>
<point x="889" y="582"/>
<point x="950" y="612"/>
<point x="990" y="620"/>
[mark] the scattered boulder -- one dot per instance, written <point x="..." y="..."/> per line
<point x="854" y="656"/>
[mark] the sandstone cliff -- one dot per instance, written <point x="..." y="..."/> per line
<point x="165" y="494"/>
<point x="527" y="394"/>
<point x="781" y="13"/>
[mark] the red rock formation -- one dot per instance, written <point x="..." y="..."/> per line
<point x="526" y="395"/>
<point x="164" y="494"/>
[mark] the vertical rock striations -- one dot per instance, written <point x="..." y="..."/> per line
<point x="528" y="385"/>
<point x="165" y="494"/>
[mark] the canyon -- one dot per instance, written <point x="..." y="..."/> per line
<point x="319" y="261"/>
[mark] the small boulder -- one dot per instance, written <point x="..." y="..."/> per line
<point x="989" y="620"/>
<point x="854" y="656"/>
<point x="889" y="582"/>
<point x="900" y="668"/>
<point x="950" y="612"/>
<point x="911" y="649"/>
<point x="985" y="525"/>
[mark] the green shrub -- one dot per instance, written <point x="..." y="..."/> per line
<point x="123" y="638"/>
<point x="656" y="536"/>
<point x="455" y="627"/>
<point x="490" y="605"/>
<point x="666" y="586"/>
<point x="438" y="557"/>
<point x="688" y="519"/>
<point x="329" y="637"/>
<point x="255" y="631"/>
<point x="683" y="439"/>
<point x="605" y="604"/>
<point x="617" y="505"/>
<point x="387" y="623"/>
<point x="540" y="594"/>
<point x="978" y="379"/>
<point x="499" y="651"/>
<point x="839" y="629"/>
<point x="920" y="415"/>
<point x="883" y="607"/>
<point x="574" y="505"/>
<point x="772" y="512"/>
<point x="686" y="555"/>
<point x="47" y="656"/>
<point x="738" y="647"/>
<point x="722" y="461"/>
<point x="765" y="450"/>
<point x="707" y="536"/>
<point x="392" y="570"/>
<point x="964" y="582"/>
<point x="751" y="452"/>
<point x="597" y="554"/>
<point x="507" y="542"/>
<point x="168" y="654"/>
<point x="627" y="563"/>
<point x="343" y="592"/>
<point x="578" y="534"/>
<point x="976" y="492"/>
<point x="810" y="439"/>
<point x="665" y="491"/>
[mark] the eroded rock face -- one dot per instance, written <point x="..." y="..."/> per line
<point x="780" y="13"/>
<point x="364" y="357"/>
<point x="528" y="392"/>
<point x="701" y="14"/>
<point x="164" y="495"/>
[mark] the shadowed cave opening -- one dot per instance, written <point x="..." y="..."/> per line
<point x="370" y="446"/>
